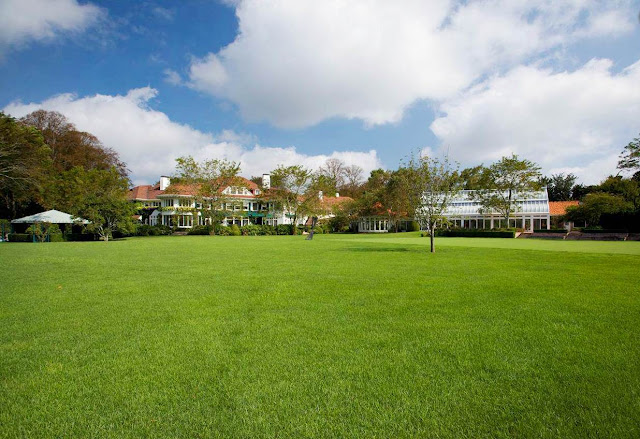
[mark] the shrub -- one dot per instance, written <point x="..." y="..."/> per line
<point x="550" y="231"/>
<point x="223" y="230"/>
<point x="283" y="229"/>
<point x="600" y="230"/>
<point x="414" y="226"/>
<point x="200" y="230"/>
<point x="20" y="237"/>
<point x="267" y="229"/>
<point x="476" y="233"/>
<point x="318" y="230"/>
<point x="251" y="230"/>
<point x="234" y="230"/>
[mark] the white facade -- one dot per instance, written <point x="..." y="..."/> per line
<point x="531" y="212"/>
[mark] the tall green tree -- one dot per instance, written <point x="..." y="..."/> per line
<point x="559" y="186"/>
<point x="432" y="185"/>
<point x="24" y="166"/>
<point x="597" y="204"/>
<point x="205" y="182"/>
<point x="505" y="181"/>
<point x="630" y="156"/>
<point x="293" y="191"/>
<point x="97" y="195"/>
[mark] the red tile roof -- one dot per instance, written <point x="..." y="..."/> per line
<point x="144" y="192"/>
<point x="557" y="208"/>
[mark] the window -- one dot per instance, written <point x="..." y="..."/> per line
<point x="185" y="202"/>
<point x="167" y="203"/>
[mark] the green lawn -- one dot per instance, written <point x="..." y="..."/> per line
<point x="342" y="336"/>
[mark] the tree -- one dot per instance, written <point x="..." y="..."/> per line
<point x="70" y="147"/>
<point x="559" y="186"/>
<point x="334" y="170"/>
<point x="506" y="181"/>
<point x="473" y="178"/>
<point x="353" y="180"/>
<point x="396" y="199"/>
<point x="24" y="165"/>
<point x="205" y="181"/>
<point x="432" y="184"/>
<point x="627" y="188"/>
<point x="99" y="196"/>
<point x="597" y="204"/>
<point x="292" y="190"/>
<point x="630" y="156"/>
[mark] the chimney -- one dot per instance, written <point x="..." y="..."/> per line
<point x="337" y="195"/>
<point x="164" y="182"/>
<point x="320" y="194"/>
<point x="266" y="181"/>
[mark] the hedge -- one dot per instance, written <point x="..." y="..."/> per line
<point x="20" y="237"/>
<point x="80" y="237"/>
<point x="473" y="233"/>
<point x="550" y="231"/>
<point x="604" y="231"/>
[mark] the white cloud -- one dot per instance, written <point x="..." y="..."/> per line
<point x="577" y="121"/>
<point x="172" y="77"/>
<point x="22" y="21"/>
<point x="148" y="141"/>
<point x="296" y="63"/>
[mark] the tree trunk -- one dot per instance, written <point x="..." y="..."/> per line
<point x="432" y="237"/>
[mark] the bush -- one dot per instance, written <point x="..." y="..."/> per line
<point x="201" y="230"/>
<point x="234" y="230"/>
<point x="318" y="230"/>
<point x="20" y="237"/>
<point x="600" y="230"/>
<point x="550" y="231"/>
<point x="223" y="230"/>
<point x="267" y="229"/>
<point x="147" y="230"/>
<point x="251" y="230"/>
<point x="283" y="229"/>
<point x="475" y="233"/>
<point x="414" y="226"/>
<point x="56" y="237"/>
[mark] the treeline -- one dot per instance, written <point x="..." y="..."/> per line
<point x="47" y="163"/>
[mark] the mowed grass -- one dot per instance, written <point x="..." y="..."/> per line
<point x="342" y="336"/>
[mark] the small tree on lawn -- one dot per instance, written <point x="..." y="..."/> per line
<point x="432" y="184"/>
<point x="205" y="181"/>
<point x="105" y="202"/>
<point x="505" y="181"/>
<point x="293" y="191"/>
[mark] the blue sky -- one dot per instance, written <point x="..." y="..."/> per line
<point x="267" y="82"/>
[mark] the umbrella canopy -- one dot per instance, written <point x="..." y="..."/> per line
<point x="50" y="216"/>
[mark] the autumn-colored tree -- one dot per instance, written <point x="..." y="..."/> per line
<point x="70" y="147"/>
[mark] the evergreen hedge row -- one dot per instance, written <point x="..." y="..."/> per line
<point x="473" y="233"/>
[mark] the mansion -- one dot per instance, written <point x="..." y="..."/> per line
<point x="245" y="204"/>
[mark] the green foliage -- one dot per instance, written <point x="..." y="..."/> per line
<point x="20" y="237"/>
<point x="251" y="230"/>
<point x="431" y="185"/>
<point x="601" y="230"/>
<point x="147" y="230"/>
<point x="630" y="156"/>
<point x="504" y="182"/>
<point x="234" y="230"/>
<point x="201" y="230"/>
<point x="293" y="191"/>
<point x="559" y="186"/>
<point x="597" y="204"/>
<point x="285" y="229"/>
<point x="25" y="162"/>
<point x="475" y="233"/>
<point x="560" y="231"/>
